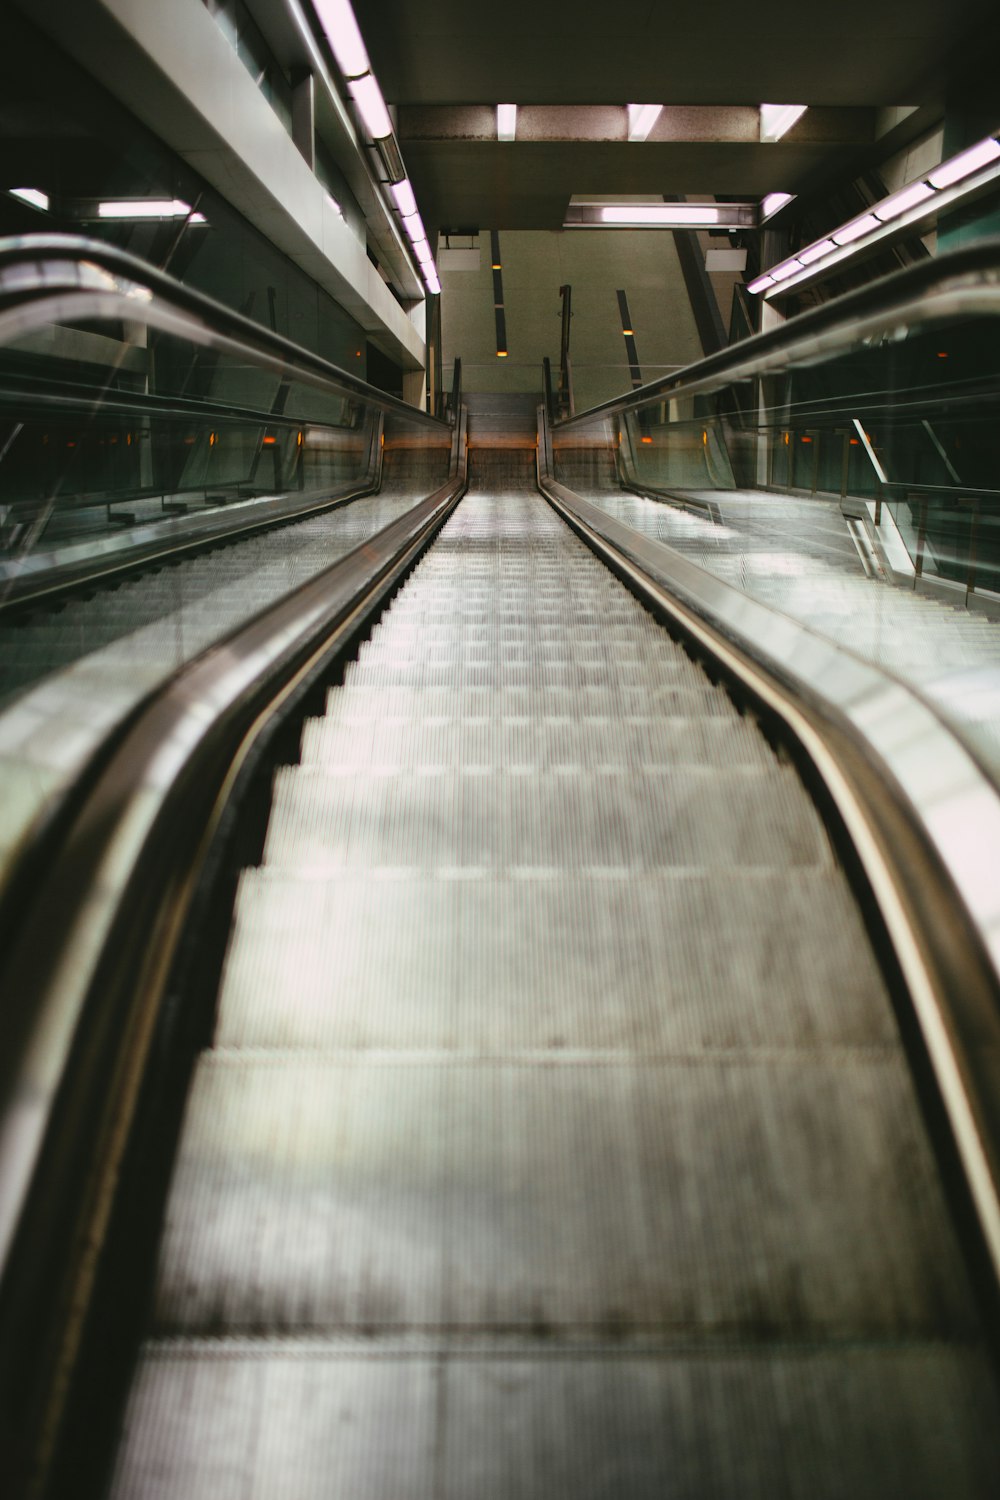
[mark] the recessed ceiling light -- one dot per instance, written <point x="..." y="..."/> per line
<point x="682" y="215"/>
<point x="34" y="196"/>
<point x="772" y="202"/>
<point x="506" y="122"/>
<point x="145" y="208"/>
<point x="641" y="119"/>
<point x="777" y="119"/>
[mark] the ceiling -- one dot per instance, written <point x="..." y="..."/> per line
<point x="849" y="61"/>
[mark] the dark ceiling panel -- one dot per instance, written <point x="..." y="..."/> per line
<point x="689" y="52"/>
<point x="529" y="186"/>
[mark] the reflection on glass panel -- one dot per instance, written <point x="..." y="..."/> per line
<point x="903" y="421"/>
<point x="109" y="424"/>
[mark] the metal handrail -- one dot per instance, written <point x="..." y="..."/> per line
<point x="963" y="282"/>
<point x="44" y="278"/>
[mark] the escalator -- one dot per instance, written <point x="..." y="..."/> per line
<point x="491" y="1014"/>
<point x="556" y="1135"/>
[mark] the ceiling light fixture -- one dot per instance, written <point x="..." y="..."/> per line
<point x="414" y="227"/>
<point x="898" y="203"/>
<point x="405" y="201"/>
<point x="786" y="269"/>
<point x="148" y="208"/>
<point x="965" y="163"/>
<point x="653" y="213"/>
<point x="777" y="120"/>
<point x="855" y="230"/>
<point x="506" y="122"/>
<point x="962" y="176"/>
<point x="770" y="204"/>
<point x="641" y="119"/>
<point x="342" y="32"/>
<point x="815" y="252"/>
<point x="668" y="214"/>
<point x="34" y="196"/>
<point x="371" y="106"/>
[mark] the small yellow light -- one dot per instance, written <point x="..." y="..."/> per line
<point x="704" y="437"/>
<point x="501" y="354"/>
<point x="627" y="332"/>
<point x="213" y="438"/>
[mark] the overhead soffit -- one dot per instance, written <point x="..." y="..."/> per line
<point x="854" y="52"/>
<point x="572" y="69"/>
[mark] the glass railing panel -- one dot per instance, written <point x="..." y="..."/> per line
<point x="137" y="417"/>
<point x="897" y="403"/>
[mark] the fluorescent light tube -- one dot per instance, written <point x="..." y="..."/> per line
<point x="506" y="122"/>
<point x="423" y="252"/>
<point x="682" y="215"/>
<point x="965" y="163"/>
<point x="34" y="196"/>
<point x="759" y="283"/>
<point x="414" y="227"/>
<point x="371" y="106"/>
<point x="431" y="278"/>
<point x="785" y="269"/>
<point x="145" y="208"/>
<point x="772" y="202"/>
<point x="815" y="252"/>
<point x="338" y="21"/>
<point x="898" y="203"/>
<point x="777" y="119"/>
<point x="641" y="119"/>
<point x="855" y="230"/>
<point x="403" y="194"/>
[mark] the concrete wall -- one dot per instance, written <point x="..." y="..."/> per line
<point x="596" y="263"/>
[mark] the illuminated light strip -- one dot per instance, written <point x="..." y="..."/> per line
<point x="506" y="122"/>
<point x="953" y="180"/>
<point x="665" y="214"/>
<point x="641" y="119"/>
<point x="343" y="33"/>
<point x="815" y="252"/>
<point x="595" y="213"/>
<point x="855" y="230"/>
<point x="148" y="208"/>
<point x="34" y="196"/>
<point x="777" y="120"/>
<point x="405" y="201"/>
<point x="786" y="269"/>
<point x="771" y="202"/>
